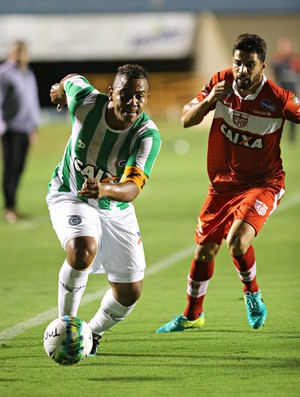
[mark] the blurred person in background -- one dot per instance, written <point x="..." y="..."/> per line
<point x="245" y="172"/>
<point x="19" y="120"/>
<point x="107" y="161"/>
<point x="286" y="65"/>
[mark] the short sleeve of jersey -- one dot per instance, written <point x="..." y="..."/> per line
<point x="291" y="110"/>
<point x="77" y="90"/>
<point x="146" y="149"/>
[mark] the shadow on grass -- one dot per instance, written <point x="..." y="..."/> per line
<point x="134" y="379"/>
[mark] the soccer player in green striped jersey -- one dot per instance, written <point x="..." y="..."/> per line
<point x="107" y="160"/>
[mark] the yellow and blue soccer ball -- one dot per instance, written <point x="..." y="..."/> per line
<point x="68" y="340"/>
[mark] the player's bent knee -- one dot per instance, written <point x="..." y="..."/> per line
<point x="206" y="253"/>
<point x="81" y="252"/>
<point x="128" y="300"/>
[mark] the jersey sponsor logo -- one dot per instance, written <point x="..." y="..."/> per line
<point x="262" y="113"/>
<point x="74" y="220"/>
<point x="260" y="207"/>
<point x="90" y="171"/>
<point x="241" y="139"/>
<point x="87" y="170"/>
<point x="265" y="104"/>
<point x="240" y="119"/>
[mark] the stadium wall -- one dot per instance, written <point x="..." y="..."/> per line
<point x="176" y="76"/>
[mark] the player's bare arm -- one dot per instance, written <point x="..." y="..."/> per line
<point x="123" y="191"/>
<point x="193" y="113"/>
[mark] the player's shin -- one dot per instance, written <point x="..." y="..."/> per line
<point x="71" y="286"/>
<point x="198" y="280"/>
<point x="246" y="267"/>
<point x="111" y="312"/>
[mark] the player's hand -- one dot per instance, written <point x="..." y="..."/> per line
<point x="220" y="91"/>
<point x="58" y="96"/>
<point x="91" y="188"/>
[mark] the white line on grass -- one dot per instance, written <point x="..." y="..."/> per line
<point x="289" y="202"/>
<point x="18" y="329"/>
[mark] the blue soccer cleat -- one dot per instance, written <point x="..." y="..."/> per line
<point x="256" y="309"/>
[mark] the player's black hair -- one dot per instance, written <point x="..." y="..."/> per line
<point x="133" y="71"/>
<point x="250" y="42"/>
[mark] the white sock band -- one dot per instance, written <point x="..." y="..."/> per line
<point x="248" y="275"/>
<point x="195" y="289"/>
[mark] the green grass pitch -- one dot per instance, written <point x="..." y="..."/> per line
<point x="226" y="358"/>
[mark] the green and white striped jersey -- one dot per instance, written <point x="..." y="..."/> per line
<point x="96" y="151"/>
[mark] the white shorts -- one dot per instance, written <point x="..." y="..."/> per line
<point x="120" y="248"/>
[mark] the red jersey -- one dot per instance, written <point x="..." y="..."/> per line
<point x="244" y="139"/>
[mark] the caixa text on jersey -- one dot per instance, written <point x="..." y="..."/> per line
<point x="241" y="139"/>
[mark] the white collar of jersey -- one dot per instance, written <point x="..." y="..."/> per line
<point x="250" y="97"/>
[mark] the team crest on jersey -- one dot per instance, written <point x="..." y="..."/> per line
<point x="240" y="119"/>
<point x="121" y="163"/>
<point x="75" y="220"/>
<point x="261" y="207"/>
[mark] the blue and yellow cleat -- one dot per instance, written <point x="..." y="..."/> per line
<point x="256" y="309"/>
<point x="181" y="323"/>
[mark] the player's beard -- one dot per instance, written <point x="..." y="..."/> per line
<point x="244" y="82"/>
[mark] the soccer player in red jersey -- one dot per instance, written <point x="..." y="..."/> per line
<point x="245" y="172"/>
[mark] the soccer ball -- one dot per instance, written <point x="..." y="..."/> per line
<point x="68" y="340"/>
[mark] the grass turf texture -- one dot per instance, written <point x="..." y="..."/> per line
<point x="226" y="358"/>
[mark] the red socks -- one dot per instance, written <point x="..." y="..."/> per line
<point x="198" y="280"/>
<point x="246" y="267"/>
<point x="201" y="273"/>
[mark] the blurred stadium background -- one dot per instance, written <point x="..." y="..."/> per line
<point x="181" y="42"/>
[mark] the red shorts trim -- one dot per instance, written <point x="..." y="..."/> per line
<point x="219" y="211"/>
